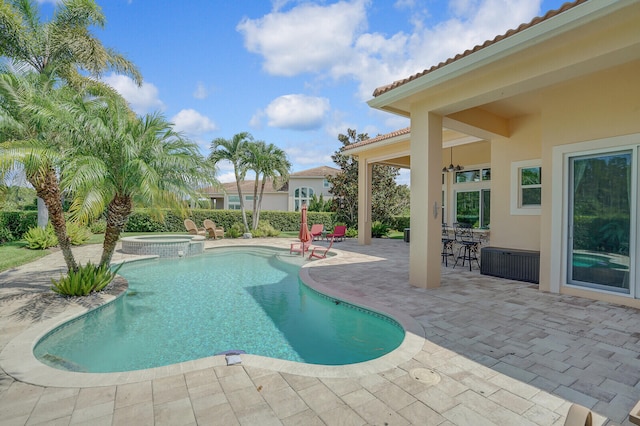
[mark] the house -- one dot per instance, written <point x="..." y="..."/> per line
<point x="545" y="120"/>
<point x="301" y="187"/>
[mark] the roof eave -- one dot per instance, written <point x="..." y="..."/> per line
<point x="391" y="100"/>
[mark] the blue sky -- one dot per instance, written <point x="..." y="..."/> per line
<point x="293" y="73"/>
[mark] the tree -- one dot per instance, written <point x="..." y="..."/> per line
<point x="64" y="47"/>
<point x="386" y="194"/>
<point x="268" y="162"/>
<point x="234" y="151"/>
<point x="128" y="159"/>
<point x="33" y="137"/>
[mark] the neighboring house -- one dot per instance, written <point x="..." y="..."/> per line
<point x="545" y="120"/>
<point x="301" y="187"/>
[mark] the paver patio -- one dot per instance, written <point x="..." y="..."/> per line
<point x="500" y="353"/>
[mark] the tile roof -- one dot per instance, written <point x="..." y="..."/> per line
<point x="378" y="138"/>
<point x="569" y="5"/>
<point x="321" y="171"/>
<point x="246" y="186"/>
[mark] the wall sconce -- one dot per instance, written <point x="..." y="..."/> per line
<point x="451" y="167"/>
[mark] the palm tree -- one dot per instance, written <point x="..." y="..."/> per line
<point x="63" y="47"/>
<point x="128" y="159"/>
<point x="234" y="150"/>
<point x="32" y="136"/>
<point x="268" y="162"/>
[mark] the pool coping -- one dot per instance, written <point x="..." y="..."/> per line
<point x="17" y="358"/>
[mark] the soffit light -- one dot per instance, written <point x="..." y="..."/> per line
<point x="451" y="167"/>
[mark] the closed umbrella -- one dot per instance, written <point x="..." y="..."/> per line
<point x="304" y="236"/>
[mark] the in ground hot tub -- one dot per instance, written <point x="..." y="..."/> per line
<point x="164" y="245"/>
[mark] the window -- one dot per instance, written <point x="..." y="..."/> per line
<point x="234" y="202"/>
<point x="302" y="195"/>
<point x="474" y="207"/>
<point x="473" y="175"/>
<point x="325" y="183"/>
<point x="526" y="187"/>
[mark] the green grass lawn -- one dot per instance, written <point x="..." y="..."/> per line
<point x="16" y="253"/>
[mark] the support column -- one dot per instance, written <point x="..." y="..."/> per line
<point x="426" y="199"/>
<point x="365" y="174"/>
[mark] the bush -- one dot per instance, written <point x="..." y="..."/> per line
<point x="17" y="223"/>
<point x="265" y="230"/>
<point x="235" y="231"/>
<point x="85" y="280"/>
<point x="379" y="229"/>
<point x="351" y="233"/>
<point x="40" y="239"/>
<point x="98" y="227"/>
<point x="78" y="234"/>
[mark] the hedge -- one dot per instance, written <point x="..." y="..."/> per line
<point x="142" y="220"/>
<point x="13" y="224"/>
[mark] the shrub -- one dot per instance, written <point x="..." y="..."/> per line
<point x="379" y="229"/>
<point x="351" y="233"/>
<point x="98" y="227"/>
<point x="5" y="235"/>
<point x="78" y="234"/>
<point x="18" y="222"/>
<point x="235" y="231"/>
<point x="86" y="279"/>
<point x="265" y="230"/>
<point x="39" y="239"/>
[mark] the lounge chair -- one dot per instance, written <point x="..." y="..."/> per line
<point x="578" y="416"/>
<point x="213" y="231"/>
<point x="316" y="231"/>
<point x="300" y="247"/>
<point x="320" y="252"/>
<point x="338" y="233"/>
<point x="193" y="229"/>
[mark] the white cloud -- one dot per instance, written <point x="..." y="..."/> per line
<point x="307" y="38"/>
<point x="142" y="99"/>
<point x="296" y="112"/>
<point x="192" y="122"/>
<point x="290" y="42"/>
<point x="201" y="91"/>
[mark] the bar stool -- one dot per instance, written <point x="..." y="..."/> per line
<point x="469" y="246"/>
<point x="447" y="245"/>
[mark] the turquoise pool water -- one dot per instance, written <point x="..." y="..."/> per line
<point x="245" y="299"/>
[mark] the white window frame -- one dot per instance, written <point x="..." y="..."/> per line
<point x="516" y="188"/>
<point x="560" y="206"/>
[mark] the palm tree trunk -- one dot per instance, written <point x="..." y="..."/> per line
<point x="244" y="213"/>
<point x="117" y="214"/>
<point x="264" y="181"/>
<point x="255" y="203"/>
<point x="48" y="189"/>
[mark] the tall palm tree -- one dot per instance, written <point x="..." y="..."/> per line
<point x="63" y="46"/>
<point x="234" y="150"/>
<point x="268" y="162"/>
<point x="32" y="136"/>
<point x="128" y="159"/>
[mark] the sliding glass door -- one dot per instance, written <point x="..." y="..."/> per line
<point x="600" y="211"/>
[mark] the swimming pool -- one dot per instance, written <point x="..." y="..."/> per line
<point x="245" y="299"/>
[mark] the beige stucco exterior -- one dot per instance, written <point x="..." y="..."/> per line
<point x="566" y="85"/>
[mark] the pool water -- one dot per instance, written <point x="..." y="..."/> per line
<point x="247" y="299"/>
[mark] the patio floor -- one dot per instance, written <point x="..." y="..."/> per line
<point x="497" y="352"/>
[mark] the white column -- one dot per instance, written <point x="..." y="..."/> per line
<point x="426" y="199"/>
<point x="365" y="171"/>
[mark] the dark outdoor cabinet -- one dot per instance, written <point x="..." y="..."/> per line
<point x="514" y="264"/>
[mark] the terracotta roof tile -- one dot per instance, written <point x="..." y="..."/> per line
<point x="378" y="138"/>
<point x="550" y="14"/>
<point x="321" y="171"/>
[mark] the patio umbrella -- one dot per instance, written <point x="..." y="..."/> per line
<point x="304" y="235"/>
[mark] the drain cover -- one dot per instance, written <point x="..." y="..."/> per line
<point x="425" y="375"/>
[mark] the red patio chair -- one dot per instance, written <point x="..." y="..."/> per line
<point x="338" y="233"/>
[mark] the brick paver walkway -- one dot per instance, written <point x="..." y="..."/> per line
<point x="499" y="352"/>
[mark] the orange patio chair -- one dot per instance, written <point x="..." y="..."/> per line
<point x="320" y="252"/>
<point x="300" y="247"/>
<point x="338" y="233"/>
<point x="316" y="230"/>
